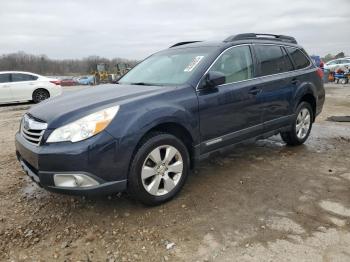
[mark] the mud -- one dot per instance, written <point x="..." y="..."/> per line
<point x="260" y="202"/>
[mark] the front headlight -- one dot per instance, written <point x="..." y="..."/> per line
<point x="85" y="127"/>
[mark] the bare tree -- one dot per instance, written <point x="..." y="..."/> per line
<point x="41" y="64"/>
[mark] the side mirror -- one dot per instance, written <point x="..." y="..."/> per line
<point x="213" y="79"/>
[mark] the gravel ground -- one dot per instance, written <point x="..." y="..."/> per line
<point x="261" y="202"/>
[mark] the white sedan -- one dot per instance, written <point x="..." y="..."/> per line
<point x="341" y="63"/>
<point x="17" y="86"/>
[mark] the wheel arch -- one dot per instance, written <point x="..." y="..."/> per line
<point x="306" y="93"/>
<point x="309" y="98"/>
<point x="174" y="128"/>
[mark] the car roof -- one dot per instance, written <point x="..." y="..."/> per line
<point x="19" y="72"/>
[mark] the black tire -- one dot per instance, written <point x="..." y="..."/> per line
<point x="290" y="137"/>
<point x="135" y="185"/>
<point x="40" y="95"/>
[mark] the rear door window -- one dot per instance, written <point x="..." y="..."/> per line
<point x="272" y="59"/>
<point x="4" y="78"/>
<point x="18" y="77"/>
<point x="299" y="58"/>
<point x="235" y="63"/>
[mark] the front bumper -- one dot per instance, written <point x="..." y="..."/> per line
<point x="95" y="157"/>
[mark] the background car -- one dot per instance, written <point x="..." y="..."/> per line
<point x="86" y="80"/>
<point x="17" y="86"/>
<point x="68" y="82"/>
<point x="340" y="63"/>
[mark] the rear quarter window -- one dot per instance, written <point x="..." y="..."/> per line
<point x="272" y="59"/>
<point x="298" y="57"/>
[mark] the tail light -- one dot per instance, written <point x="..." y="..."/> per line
<point x="319" y="72"/>
<point x="56" y="82"/>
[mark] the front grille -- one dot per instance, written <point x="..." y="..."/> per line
<point x="32" y="130"/>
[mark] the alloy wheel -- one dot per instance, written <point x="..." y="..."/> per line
<point x="303" y="123"/>
<point x="162" y="170"/>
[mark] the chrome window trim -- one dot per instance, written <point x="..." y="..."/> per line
<point x="254" y="78"/>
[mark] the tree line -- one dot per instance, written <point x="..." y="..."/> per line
<point x="41" y="64"/>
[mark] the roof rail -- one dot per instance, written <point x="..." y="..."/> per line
<point x="184" y="43"/>
<point x="283" y="38"/>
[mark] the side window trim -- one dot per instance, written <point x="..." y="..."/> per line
<point x="252" y="54"/>
<point x="254" y="59"/>
<point x="285" y="46"/>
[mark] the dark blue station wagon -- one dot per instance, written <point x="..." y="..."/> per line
<point x="176" y="107"/>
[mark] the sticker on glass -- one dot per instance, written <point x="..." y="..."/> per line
<point x="193" y="63"/>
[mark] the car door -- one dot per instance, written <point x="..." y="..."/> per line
<point x="22" y="86"/>
<point x="276" y="84"/>
<point x="5" y="90"/>
<point x="231" y="112"/>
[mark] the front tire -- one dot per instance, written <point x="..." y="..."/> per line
<point x="301" y="126"/>
<point x="159" y="169"/>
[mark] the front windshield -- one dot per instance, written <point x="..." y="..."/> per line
<point x="170" y="67"/>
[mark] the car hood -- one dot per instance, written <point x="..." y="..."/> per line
<point x="63" y="109"/>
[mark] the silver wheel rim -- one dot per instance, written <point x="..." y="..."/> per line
<point x="162" y="170"/>
<point x="303" y="123"/>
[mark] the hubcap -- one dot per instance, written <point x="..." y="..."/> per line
<point x="162" y="170"/>
<point x="303" y="123"/>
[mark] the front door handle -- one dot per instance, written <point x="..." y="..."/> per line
<point x="254" y="91"/>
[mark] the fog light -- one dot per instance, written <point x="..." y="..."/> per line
<point x="74" y="180"/>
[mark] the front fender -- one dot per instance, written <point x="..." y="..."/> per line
<point x="139" y="122"/>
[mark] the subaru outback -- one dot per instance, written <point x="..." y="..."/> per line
<point x="175" y="108"/>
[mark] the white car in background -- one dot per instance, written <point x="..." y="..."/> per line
<point x="17" y="86"/>
<point x="342" y="63"/>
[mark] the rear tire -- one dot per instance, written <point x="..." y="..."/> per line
<point x="301" y="126"/>
<point x="159" y="169"/>
<point x="40" y="95"/>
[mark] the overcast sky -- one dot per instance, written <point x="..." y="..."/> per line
<point x="134" y="29"/>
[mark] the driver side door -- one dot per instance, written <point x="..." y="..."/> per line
<point x="231" y="112"/>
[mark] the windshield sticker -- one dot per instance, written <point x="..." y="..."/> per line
<point x="193" y="63"/>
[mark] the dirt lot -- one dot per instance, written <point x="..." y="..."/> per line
<point x="262" y="202"/>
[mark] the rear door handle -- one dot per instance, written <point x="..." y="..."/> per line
<point x="254" y="91"/>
